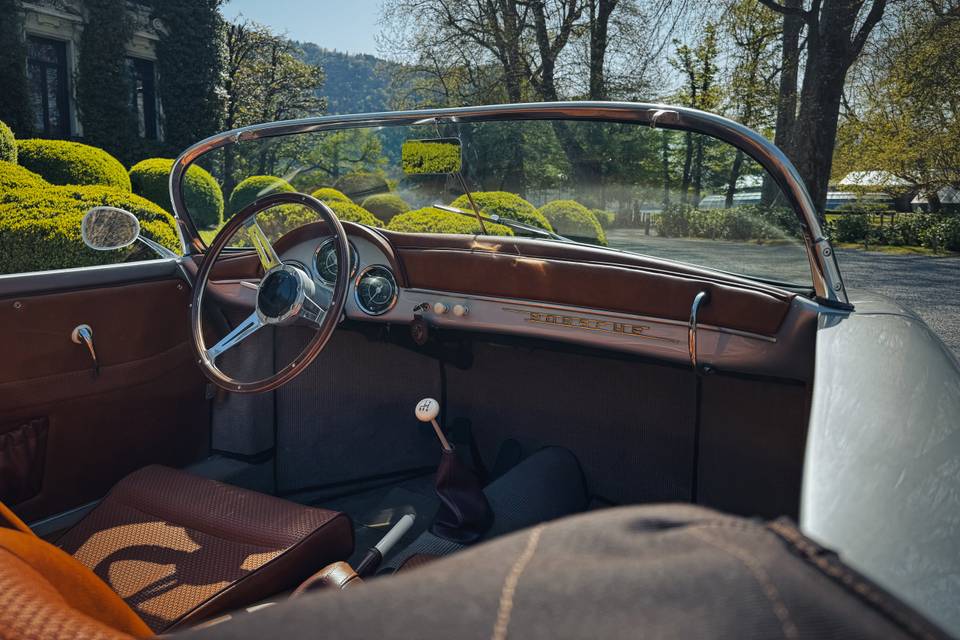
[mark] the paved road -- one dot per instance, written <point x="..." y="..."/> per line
<point x="930" y="286"/>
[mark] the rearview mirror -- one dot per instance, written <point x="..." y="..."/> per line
<point x="437" y="156"/>
<point x="109" y="228"/>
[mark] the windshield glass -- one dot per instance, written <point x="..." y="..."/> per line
<point x="672" y="194"/>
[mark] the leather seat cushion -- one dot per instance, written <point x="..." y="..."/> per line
<point x="180" y="549"/>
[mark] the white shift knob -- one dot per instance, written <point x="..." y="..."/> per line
<point x="427" y="409"/>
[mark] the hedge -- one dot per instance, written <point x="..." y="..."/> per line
<point x="329" y="194"/>
<point x="361" y="183"/>
<point x="8" y="144"/>
<point x="71" y="163"/>
<point x="253" y="188"/>
<point x="933" y="231"/>
<point x="151" y="179"/>
<point x="40" y="228"/>
<point x="385" y="205"/>
<point x="430" y="157"/>
<point x="747" y="222"/>
<point x="279" y="220"/>
<point x="504" y="203"/>
<point x="573" y="220"/>
<point x="13" y="176"/>
<point x="433" y="220"/>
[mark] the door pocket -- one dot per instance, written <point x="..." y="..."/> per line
<point x="23" y="447"/>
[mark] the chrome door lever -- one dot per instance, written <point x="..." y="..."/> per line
<point x="83" y="334"/>
<point x="698" y="301"/>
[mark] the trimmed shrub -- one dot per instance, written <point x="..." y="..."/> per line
<point x="504" y="203"/>
<point x="573" y="220"/>
<point x="151" y="179"/>
<point x="430" y="157"/>
<point x="385" y="205"/>
<point x="432" y="220"/>
<point x="8" y="144"/>
<point x="13" y="176"/>
<point x="253" y="188"/>
<point x="40" y="228"/>
<point x="71" y="163"/>
<point x="606" y="218"/>
<point x="850" y="227"/>
<point x="354" y="213"/>
<point x="329" y="194"/>
<point x="747" y="222"/>
<point x="361" y="183"/>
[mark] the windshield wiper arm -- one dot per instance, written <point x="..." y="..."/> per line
<point x="507" y="222"/>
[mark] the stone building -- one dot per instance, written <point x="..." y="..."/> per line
<point x="52" y="30"/>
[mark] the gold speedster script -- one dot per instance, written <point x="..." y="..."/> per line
<point x="589" y="324"/>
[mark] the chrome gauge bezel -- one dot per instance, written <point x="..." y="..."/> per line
<point x="393" y="283"/>
<point x="354" y="260"/>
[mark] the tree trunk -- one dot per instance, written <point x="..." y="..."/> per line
<point x="734" y="176"/>
<point x="600" y="12"/>
<point x="687" y="161"/>
<point x="787" y="100"/>
<point x="664" y="150"/>
<point x="698" y="172"/>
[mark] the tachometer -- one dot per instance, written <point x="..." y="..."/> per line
<point x="376" y="290"/>
<point x="325" y="262"/>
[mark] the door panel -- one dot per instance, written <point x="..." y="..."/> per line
<point x="146" y="405"/>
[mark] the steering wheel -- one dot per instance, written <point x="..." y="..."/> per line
<point x="286" y="294"/>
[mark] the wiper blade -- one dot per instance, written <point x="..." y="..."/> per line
<point x="507" y="222"/>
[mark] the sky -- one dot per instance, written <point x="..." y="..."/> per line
<point x="344" y="25"/>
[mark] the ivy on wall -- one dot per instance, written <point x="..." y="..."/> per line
<point x="103" y="83"/>
<point x="14" y="104"/>
<point x="189" y="68"/>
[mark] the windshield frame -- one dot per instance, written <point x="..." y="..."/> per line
<point x="827" y="280"/>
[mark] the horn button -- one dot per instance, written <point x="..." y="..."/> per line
<point x="280" y="294"/>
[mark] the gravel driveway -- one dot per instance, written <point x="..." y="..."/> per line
<point x="929" y="286"/>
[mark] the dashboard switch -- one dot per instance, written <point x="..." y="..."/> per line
<point x="460" y="310"/>
<point x="439" y="308"/>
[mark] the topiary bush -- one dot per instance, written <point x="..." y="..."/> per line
<point x="385" y="205"/>
<point x="8" y="144"/>
<point x="40" y="227"/>
<point x="71" y="163"/>
<point x="504" y="203"/>
<point x="329" y="194"/>
<point x="361" y="183"/>
<point x="432" y="220"/>
<point x="354" y="213"/>
<point x="573" y="220"/>
<point x="606" y="218"/>
<point x="151" y="179"/>
<point x="13" y="176"/>
<point x="850" y="227"/>
<point x="253" y="188"/>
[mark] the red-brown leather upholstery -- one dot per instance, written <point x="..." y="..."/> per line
<point x="180" y="549"/>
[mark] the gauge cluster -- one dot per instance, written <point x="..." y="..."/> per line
<point x="375" y="290"/>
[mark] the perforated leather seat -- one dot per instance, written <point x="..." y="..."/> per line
<point x="179" y="549"/>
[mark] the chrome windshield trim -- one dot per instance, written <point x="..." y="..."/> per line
<point x="827" y="280"/>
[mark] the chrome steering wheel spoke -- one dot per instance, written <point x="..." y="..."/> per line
<point x="312" y="311"/>
<point x="242" y="331"/>
<point x="268" y="257"/>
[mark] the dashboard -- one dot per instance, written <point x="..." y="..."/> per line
<point x="485" y="286"/>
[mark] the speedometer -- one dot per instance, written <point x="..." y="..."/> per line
<point x="376" y="290"/>
<point x="325" y="262"/>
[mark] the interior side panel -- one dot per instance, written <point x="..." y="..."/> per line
<point x="350" y="414"/>
<point x="630" y="424"/>
<point x="752" y="438"/>
<point x="145" y="406"/>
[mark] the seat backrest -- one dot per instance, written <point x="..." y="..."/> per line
<point x="47" y="594"/>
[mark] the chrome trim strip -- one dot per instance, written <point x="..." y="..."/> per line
<point x="35" y="282"/>
<point x="827" y="279"/>
<point x="627" y="317"/>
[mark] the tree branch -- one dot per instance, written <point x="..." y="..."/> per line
<point x="787" y="11"/>
<point x="876" y="13"/>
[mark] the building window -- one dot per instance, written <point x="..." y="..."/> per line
<point x="143" y="96"/>
<point x="47" y="76"/>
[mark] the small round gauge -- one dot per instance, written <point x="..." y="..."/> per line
<point x="325" y="262"/>
<point x="376" y="290"/>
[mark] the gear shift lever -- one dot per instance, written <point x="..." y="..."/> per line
<point x="427" y="411"/>
<point x="464" y="514"/>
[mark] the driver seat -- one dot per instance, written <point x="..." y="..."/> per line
<point x="164" y="550"/>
